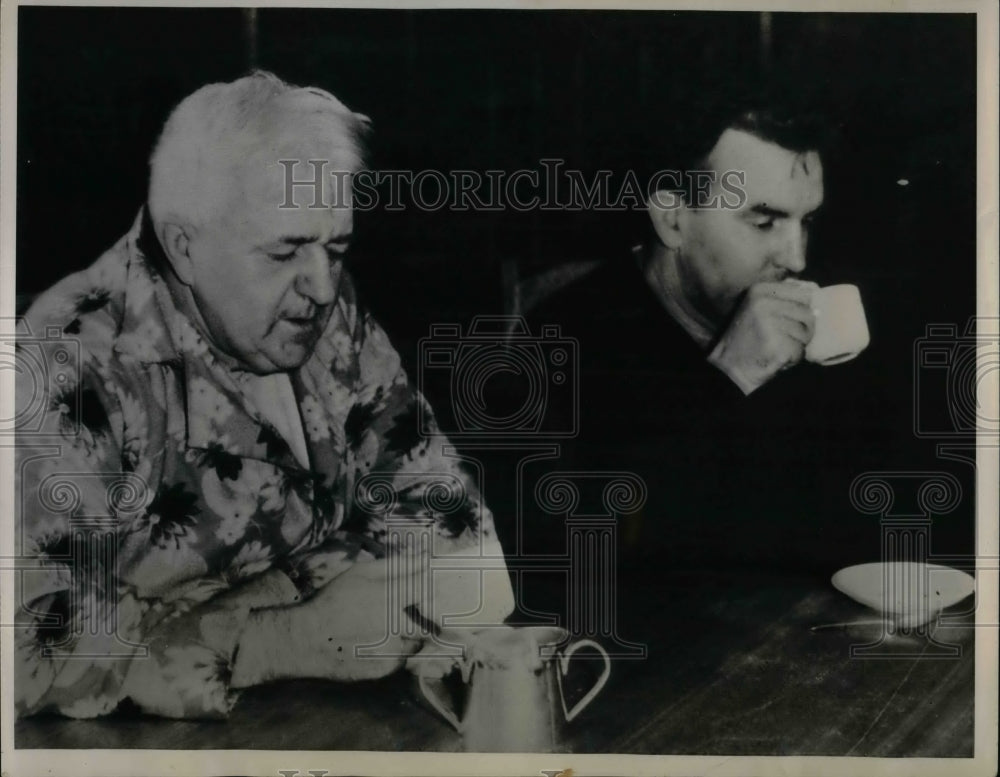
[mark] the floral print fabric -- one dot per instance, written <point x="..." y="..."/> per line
<point x="150" y="488"/>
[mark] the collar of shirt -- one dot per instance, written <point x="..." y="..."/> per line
<point x="274" y="397"/>
<point x="664" y="280"/>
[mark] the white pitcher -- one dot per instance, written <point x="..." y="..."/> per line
<point x="513" y="688"/>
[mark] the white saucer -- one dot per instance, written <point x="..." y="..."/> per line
<point x="911" y="592"/>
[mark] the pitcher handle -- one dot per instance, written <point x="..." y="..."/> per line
<point x="564" y="669"/>
<point x="435" y="702"/>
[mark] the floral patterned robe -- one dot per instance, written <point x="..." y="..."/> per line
<point x="149" y="486"/>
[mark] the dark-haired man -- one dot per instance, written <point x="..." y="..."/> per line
<point x="691" y="353"/>
<point x="727" y="275"/>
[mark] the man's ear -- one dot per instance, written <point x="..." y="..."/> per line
<point x="666" y="211"/>
<point x="176" y="242"/>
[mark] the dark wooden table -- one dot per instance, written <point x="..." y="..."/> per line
<point x="733" y="667"/>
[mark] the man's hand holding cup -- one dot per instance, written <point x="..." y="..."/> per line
<point x="768" y="333"/>
<point x="777" y="325"/>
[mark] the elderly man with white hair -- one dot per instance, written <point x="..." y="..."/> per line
<point x="228" y="401"/>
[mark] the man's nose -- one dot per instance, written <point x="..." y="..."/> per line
<point x="315" y="280"/>
<point x="792" y="254"/>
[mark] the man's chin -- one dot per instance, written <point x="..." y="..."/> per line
<point x="293" y="357"/>
<point x="290" y="356"/>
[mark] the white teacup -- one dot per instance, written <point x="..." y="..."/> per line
<point x="841" y="327"/>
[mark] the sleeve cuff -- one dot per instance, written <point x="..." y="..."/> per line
<point x="736" y="376"/>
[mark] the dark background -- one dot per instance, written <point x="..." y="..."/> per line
<point x="503" y="89"/>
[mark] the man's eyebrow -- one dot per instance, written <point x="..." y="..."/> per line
<point x="301" y="240"/>
<point x="291" y="240"/>
<point x="764" y="210"/>
<point x="777" y="213"/>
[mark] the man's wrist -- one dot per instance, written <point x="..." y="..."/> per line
<point x="745" y="384"/>
<point x="263" y="650"/>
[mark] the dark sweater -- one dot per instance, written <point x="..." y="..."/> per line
<point x="732" y="479"/>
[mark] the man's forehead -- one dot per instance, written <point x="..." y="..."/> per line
<point x="310" y="173"/>
<point x="778" y="176"/>
<point x="268" y="210"/>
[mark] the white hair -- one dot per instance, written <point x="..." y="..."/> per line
<point x="226" y="127"/>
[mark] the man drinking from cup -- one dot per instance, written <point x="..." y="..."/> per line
<point x="694" y="351"/>
<point x="728" y="273"/>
